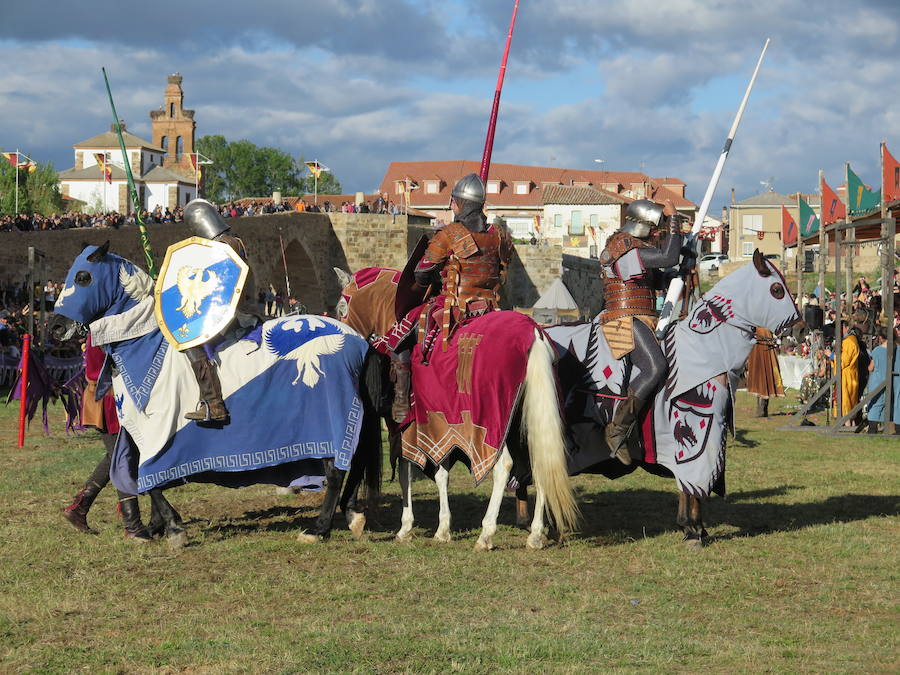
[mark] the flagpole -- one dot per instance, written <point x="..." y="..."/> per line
<point x="492" y="121"/>
<point x="17" y="182"/>
<point x="676" y="285"/>
<point x="316" y="185"/>
<point x="135" y="199"/>
<point x="888" y="233"/>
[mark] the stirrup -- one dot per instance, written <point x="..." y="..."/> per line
<point x="205" y="416"/>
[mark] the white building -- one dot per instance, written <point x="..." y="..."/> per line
<point x="156" y="185"/>
<point x="581" y="218"/>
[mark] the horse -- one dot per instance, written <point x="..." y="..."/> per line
<point x="297" y="388"/>
<point x="501" y="359"/>
<point x="682" y="434"/>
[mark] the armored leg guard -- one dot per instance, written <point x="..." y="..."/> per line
<point x="76" y="512"/>
<point x="211" y="407"/>
<point x="621" y="426"/>
<point x="131" y="517"/>
<point x="400" y="376"/>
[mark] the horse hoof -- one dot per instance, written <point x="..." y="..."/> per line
<point x="357" y="525"/>
<point x="535" y="542"/>
<point x="484" y="545"/>
<point x="443" y="537"/>
<point x="403" y="537"/>
<point x="177" y="540"/>
<point x="307" y="538"/>
<point x="694" y="544"/>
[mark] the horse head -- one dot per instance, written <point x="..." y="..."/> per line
<point x="99" y="283"/>
<point x="367" y="299"/>
<point x="754" y="295"/>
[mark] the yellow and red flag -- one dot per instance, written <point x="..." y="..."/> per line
<point x="105" y="168"/>
<point x="20" y="161"/>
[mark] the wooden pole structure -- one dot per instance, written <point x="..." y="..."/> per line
<point x="888" y="234"/>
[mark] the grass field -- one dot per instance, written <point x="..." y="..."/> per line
<point x="801" y="575"/>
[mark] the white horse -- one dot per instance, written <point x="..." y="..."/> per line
<point x="365" y="297"/>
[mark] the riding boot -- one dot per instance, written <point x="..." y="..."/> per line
<point x="211" y="407"/>
<point x="873" y="427"/>
<point x="131" y="516"/>
<point x="76" y="512"/>
<point x="621" y="426"/>
<point x="400" y="375"/>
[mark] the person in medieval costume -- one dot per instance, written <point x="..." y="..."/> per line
<point x="763" y="373"/>
<point x="101" y="414"/>
<point x="628" y="319"/>
<point x="204" y="220"/>
<point x="467" y="260"/>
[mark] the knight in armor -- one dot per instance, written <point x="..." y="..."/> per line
<point x="467" y="260"/>
<point x="628" y="319"/>
<point x="204" y="220"/>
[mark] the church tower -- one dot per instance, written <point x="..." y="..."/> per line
<point x="173" y="128"/>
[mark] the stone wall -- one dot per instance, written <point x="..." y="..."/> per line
<point x="314" y="243"/>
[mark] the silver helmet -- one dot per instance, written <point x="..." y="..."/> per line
<point x="204" y="219"/>
<point x="641" y="216"/>
<point x="470" y="188"/>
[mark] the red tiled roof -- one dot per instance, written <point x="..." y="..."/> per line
<point x="508" y="174"/>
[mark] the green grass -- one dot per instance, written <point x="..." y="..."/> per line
<point x="801" y="575"/>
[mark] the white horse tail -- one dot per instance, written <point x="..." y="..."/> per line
<point x="544" y="428"/>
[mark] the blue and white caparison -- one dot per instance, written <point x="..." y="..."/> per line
<point x="293" y="391"/>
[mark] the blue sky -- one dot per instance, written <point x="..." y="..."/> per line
<point x="360" y="83"/>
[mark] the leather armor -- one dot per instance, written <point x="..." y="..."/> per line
<point x="474" y="264"/>
<point x="633" y="296"/>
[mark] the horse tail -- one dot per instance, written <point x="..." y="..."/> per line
<point x="542" y="422"/>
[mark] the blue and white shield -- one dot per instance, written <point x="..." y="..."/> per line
<point x="198" y="290"/>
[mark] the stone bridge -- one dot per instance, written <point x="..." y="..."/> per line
<point x="314" y="243"/>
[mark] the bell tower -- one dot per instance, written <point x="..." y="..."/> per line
<point x="173" y="128"/>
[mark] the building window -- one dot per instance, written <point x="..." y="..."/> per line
<point x="752" y="223"/>
<point x="171" y="110"/>
<point x="431" y="187"/>
<point x="493" y="187"/>
<point x="522" y="188"/>
<point x="746" y="248"/>
<point x="557" y="221"/>
<point x="164" y="144"/>
<point x="576" y="225"/>
<point x="179" y="148"/>
<point x="594" y="220"/>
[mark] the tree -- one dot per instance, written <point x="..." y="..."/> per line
<point x="243" y="169"/>
<point x="38" y="189"/>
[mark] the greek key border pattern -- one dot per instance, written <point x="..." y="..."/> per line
<point x="140" y="393"/>
<point x="256" y="459"/>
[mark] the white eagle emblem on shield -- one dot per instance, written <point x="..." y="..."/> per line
<point x="198" y="290"/>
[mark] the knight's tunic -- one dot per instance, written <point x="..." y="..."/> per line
<point x="627" y="286"/>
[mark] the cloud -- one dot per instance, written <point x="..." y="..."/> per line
<point x="360" y="83"/>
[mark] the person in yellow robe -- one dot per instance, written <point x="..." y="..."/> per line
<point x="849" y="372"/>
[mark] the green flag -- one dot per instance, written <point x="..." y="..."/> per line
<point x="860" y="199"/>
<point x="809" y="222"/>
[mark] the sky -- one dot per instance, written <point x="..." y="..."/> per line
<point x="640" y="84"/>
